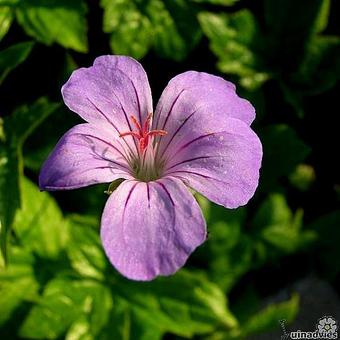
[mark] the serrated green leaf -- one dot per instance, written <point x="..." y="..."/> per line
<point x="279" y="227"/>
<point x="170" y="27"/>
<point x="63" y="304"/>
<point x="236" y="40"/>
<point x="50" y="21"/>
<point x="184" y="304"/>
<point x="6" y="18"/>
<point x="13" y="56"/>
<point x="17" y="127"/>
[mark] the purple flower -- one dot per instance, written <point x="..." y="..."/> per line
<point x="199" y="137"/>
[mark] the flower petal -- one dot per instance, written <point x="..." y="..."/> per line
<point x="150" y="229"/>
<point x="197" y="102"/>
<point x="85" y="155"/>
<point x="222" y="165"/>
<point x="110" y="91"/>
<point x="189" y="91"/>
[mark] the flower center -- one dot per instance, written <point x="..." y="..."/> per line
<point x="144" y="133"/>
<point x="144" y="166"/>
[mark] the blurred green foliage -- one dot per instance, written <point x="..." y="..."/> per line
<point x="55" y="281"/>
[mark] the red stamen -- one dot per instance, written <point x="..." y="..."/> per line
<point x="147" y="123"/>
<point x="157" y="133"/>
<point x="143" y="135"/>
<point x="137" y="125"/>
<point x="134" y="134"/>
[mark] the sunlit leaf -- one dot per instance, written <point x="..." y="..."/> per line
<point x="129" y="323"/>
<point x="279" y="227"/>
<point x="169" y="27"/>
<point x="184" y="304"/>
<point x="84" y="249"/>
<point x="63" y="303"/>
<point x="269" y="317"/>
<point x="6" y="18"/>
<point x="217" y="2"/>
<point x="236" y="40"/>
<point x="50" y="21"/>
<point x="321" y="21"/>
<point x="17" y="284"/>
<point x="17" y="127"/>
<point x="12" y="56"/>
<point x="39" y="223"/>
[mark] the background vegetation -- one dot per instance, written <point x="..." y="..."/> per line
<point x="284" y="55"/>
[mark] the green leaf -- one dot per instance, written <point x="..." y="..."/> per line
<point x="289" y="41"/>
<point x="9" y="191"/>
<point x="282" y="152"/>
<point x="237" y="42"/>
<point x="270" y="316"/>
<point x="127" y="323"/>
<point x="6" y="18"/>
<point x="169" y="27"/>
<point x="274" y="210"/>
<point x="184" y="304"/>
<point x="85" y="249"/>
<point x="67" y="305"/>
<point x="13" y="56"/>
<point x="328" y="254"/>
<point x="279" y="227"/>
<point x="321" y="21"/>
<point x="39" y="223"/>
<point x="228" y="252"/>
<point x="320" y="68"/>
<point x="131" y="31"/>
<point x="17" y="127"/>
<point x="17" y="284"/>
<point x="46" y="136"/>
<point x="217" y="2"/>
<point x="50" y="21"/>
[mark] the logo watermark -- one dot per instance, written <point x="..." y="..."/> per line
<point x="326" y="328"/>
